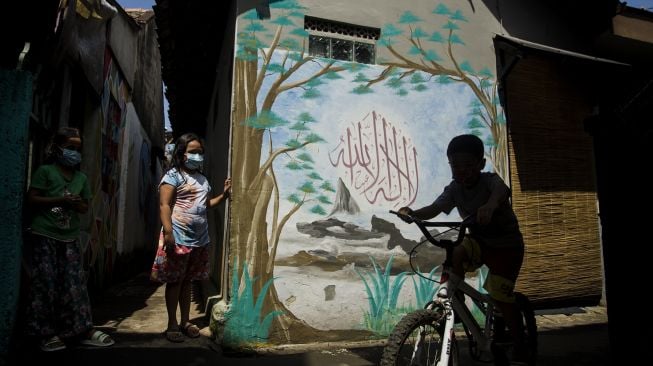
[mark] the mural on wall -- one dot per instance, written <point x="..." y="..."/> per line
<point x="100" y="232"/>
<point x="431" y="54"/>
<point x="321" y="150"/>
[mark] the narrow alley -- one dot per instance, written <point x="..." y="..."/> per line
<point x="250" y="157"/>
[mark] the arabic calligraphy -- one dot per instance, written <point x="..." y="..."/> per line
<point x="379" y="161"/>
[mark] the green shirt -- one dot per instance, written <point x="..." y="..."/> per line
<point x="58" y="222"/>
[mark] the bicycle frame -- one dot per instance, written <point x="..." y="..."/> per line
<point x="453" y="305"/>
<point x="447" y="297"/>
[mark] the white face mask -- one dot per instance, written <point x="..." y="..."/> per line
<point x="194" y="161"/>
<point x="69" y="157"/>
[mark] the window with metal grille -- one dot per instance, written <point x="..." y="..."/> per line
<point x="341" y="41"/>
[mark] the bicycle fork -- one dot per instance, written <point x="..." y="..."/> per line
<point x="447" y="334"/>
<point x="446" y="346"/>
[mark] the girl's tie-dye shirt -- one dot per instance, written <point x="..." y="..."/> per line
<point x="189" y="224"/>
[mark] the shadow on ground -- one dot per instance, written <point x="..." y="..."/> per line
<point x="581" y="345"/>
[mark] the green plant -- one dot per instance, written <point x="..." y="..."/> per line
<point x="382" y="297"/>
<point x="244" y="323"/>
<point x="425" y="288"/>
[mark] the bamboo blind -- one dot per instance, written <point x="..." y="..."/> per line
<point x="552" y="178"/>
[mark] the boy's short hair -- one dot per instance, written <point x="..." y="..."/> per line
<point x="469" y="144"/>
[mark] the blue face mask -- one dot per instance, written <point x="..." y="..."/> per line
<point x="70" y="158"/>
<point x="194" y="161"/>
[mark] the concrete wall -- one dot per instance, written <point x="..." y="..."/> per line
<point x="147" y="94"/>
<point x="631" y="27"/>
<point x="15" y="107"/>
<point x="123" y="40"/>
<point x="217" y="163"/>
<point x="137" y="210"/>
<point x="322" y="149"/>
<point x="120" y="227"/>
<point x="122" y="219"/>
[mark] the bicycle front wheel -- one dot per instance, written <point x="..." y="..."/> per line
<point x="417" y="340"/>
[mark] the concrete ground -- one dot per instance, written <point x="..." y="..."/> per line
<point x="134" y="314"/>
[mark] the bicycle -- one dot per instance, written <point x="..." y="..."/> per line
<point x="426" y="336"/>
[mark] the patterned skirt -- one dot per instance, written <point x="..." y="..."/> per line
<point x="58" y="297"/>
<point x="181" y="264"/>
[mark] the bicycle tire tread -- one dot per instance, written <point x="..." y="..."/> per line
<point x="403" y="329"/>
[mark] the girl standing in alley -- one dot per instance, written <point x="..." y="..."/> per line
<point x="59" y="306"/>
<point x="183" y="254"/>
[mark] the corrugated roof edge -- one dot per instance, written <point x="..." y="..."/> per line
<point x="541" y="47"/>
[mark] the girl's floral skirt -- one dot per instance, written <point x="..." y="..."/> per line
<point x="181" y="264"/>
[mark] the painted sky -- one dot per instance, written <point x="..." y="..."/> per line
<point x="427" y="119"/>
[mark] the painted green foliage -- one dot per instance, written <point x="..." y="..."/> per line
<point x="245" y="323"/>
<point x="425" y="288"/>
<point x="433" y="54"/>
<point x="382" y="296"/>
<point x="278" y="58"/>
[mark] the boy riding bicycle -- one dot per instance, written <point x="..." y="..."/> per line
<point x="496" y="241"/>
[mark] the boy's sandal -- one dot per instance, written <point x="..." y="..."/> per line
<point x="52" y="344"/>
<point x="98" y="339"/>
<point x="190" y="330"/>
<point x="174" y="336"/>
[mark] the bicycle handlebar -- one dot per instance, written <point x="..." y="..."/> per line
<point x="442" y="243"/>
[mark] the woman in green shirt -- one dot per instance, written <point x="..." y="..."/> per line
<point x="59" y="306"/>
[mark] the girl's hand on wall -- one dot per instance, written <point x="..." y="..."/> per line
<point x="227" y="188"/>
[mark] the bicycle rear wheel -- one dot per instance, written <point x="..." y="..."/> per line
<point x="406" y="347"/>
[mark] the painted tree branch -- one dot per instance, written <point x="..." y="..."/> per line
<point x="275" y="216"/>
<point x="264" y="168"/>
<point x="487" y="123"/>
<point x="283" y="62"/>
<point x="421" y="49"/>
<point x="324" y="70"/>
<point x="487" y="97"/>
<point x="266" y="62"/>
<point x="276" y="233"/>
<point x="273" y="92"/>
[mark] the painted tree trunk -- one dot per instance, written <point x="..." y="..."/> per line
<point x="248" y="239"/>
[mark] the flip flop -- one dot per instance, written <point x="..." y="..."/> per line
<point x="98" y="339"/>
<point x="190" y="330"/>
<point x="174" y="336"/>
<point x="52" y="344"/>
